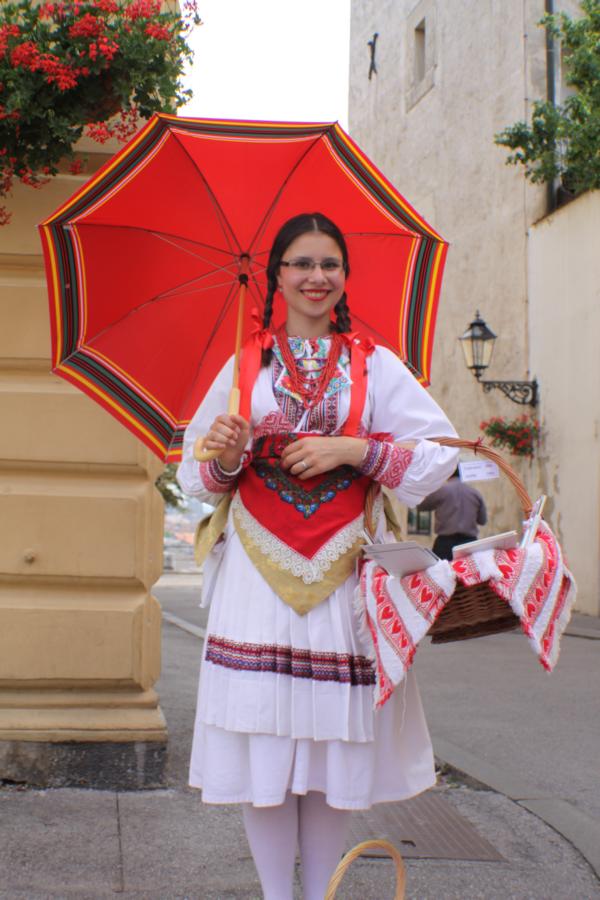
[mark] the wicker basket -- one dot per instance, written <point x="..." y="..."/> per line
<point x="357" y="851"/>
<point x="477" y="611"/>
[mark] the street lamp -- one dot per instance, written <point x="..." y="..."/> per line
<point x="478" y="346"/>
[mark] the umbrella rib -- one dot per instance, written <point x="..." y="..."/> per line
<point x="219" y="212"/>
<point x="152" y="231"/>
<point x="370" y="330"/>
<point x="224" y="310"/>
<point x="262" y="225"/>
<point x="165" y="295"/>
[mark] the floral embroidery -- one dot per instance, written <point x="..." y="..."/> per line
<point x="344" y="668"/>
<point x="306" y="501"/>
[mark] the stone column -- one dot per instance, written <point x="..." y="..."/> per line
<point x="81" y="525"/>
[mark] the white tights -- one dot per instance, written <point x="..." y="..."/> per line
<point x="273" y="833"/>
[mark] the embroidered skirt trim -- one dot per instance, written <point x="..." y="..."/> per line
<point x="343" y="668"/>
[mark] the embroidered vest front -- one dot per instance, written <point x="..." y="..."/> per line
<point x="303" y="536"/>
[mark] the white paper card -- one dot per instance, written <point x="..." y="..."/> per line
<point x="478" y="470"/>
<point x="401" y="558"/>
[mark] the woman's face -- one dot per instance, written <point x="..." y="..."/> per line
<point x="311" y="294"/>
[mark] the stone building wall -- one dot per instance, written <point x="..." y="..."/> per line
<point x="449" y="76"/>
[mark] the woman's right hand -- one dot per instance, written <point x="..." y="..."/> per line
<point x="228" y="434"/>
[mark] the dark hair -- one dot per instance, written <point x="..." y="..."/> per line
<point x="289" y="231"/>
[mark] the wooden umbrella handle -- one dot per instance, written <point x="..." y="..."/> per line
<point x="233" y="409"/>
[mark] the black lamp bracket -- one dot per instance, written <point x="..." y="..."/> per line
<point x="523" y="392"/>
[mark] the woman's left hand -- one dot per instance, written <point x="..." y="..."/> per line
<point x="312" y="456"/>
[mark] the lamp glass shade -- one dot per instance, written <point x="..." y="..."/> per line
<point x="478" y="345"/>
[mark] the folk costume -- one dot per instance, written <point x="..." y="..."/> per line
<point x="285" y="700"/>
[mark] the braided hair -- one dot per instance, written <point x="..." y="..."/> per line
<point x="289" y="231"/>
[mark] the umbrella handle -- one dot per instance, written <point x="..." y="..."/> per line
<point x="233" y="409"/>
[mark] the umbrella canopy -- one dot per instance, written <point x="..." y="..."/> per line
<point x="143" y="262"/>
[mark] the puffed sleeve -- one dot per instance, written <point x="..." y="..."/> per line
<point x="404" y="410"/>
<point x="203" y="480"/>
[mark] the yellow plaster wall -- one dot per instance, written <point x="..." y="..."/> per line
<point x="81" y="529"/>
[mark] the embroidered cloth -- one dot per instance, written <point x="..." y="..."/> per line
<point x="398" y="613"/>
<point x="310" y="356"/>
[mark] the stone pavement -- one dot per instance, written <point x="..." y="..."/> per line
<point x="494" y="714"/>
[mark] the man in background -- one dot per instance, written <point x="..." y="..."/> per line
<point x="459" y="509"/>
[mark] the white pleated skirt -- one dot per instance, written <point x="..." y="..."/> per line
<point x="285" y="702"/>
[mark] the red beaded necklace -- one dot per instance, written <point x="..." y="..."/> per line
<point x="315" y="392"/>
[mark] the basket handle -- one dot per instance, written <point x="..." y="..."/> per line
<point x="349" y="858"/>
<point x="481" y="448"/>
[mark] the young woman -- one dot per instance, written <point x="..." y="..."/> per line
<point x="285" y="722"/>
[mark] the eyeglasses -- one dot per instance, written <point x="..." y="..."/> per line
<point x="305" y="264"/>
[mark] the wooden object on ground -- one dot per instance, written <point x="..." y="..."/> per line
<point x="349" y="858"/>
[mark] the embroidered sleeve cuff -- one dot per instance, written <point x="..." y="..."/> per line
<point x="216" y="479"/>
<point x="385" y="462"/>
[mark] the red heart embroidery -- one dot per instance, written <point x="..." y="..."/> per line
<point x="426" y="595"/>
<point x="387" y="612"/>
<point x="530" y="609"/>
<point x="415" y="581"/>
<point x="396" y="628"/>
<point x="459" y="566"/>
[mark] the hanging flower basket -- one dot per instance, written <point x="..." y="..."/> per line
<point x="78" y="67"/>
<point x="518" y="436"/>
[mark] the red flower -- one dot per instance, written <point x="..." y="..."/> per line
<point x="75" y="166"/>
<point x="107" y="48"/>
<point x="107" y="6"/>
<point x="159" y="32"/>
<point x="88" y="26"/>
<point x="142" y="9"/>
<point x="99" y="132"/>
<point x="55" y="71"/>
<point x="46" y="10"/>
<point x="26" y="55"/>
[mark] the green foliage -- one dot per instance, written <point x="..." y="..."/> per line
<point x="168" y="487"/>
<point x="564" y="141"/>
<point x="519" y="436"/>
<point x="69" y="67"/>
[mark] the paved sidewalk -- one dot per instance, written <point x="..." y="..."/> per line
<point x="493" y="712"/>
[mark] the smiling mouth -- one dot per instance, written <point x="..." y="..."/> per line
<point x="316" y="296"/>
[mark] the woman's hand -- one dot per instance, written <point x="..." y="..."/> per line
<point x="228" y="434"/>
<point x="311" y="456"/>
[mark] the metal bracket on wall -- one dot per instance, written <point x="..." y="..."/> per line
<point x="372" y="64"/>
<point x="523" y="392"/>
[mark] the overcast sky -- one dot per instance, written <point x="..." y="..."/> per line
<point x="271" y="59"/>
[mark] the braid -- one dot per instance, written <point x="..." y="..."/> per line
<point x="343" y="322"/>
<point x="268" y="314"/>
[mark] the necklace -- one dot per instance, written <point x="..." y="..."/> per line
<point x="314" y="392"/>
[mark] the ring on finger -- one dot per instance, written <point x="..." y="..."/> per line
<point x="304" y="464"/>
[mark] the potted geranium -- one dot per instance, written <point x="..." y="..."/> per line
<point x="83" y="66"/>
<point x="519" y="435"/>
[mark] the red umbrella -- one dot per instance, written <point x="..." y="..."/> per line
<point x="143" y="262"/>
